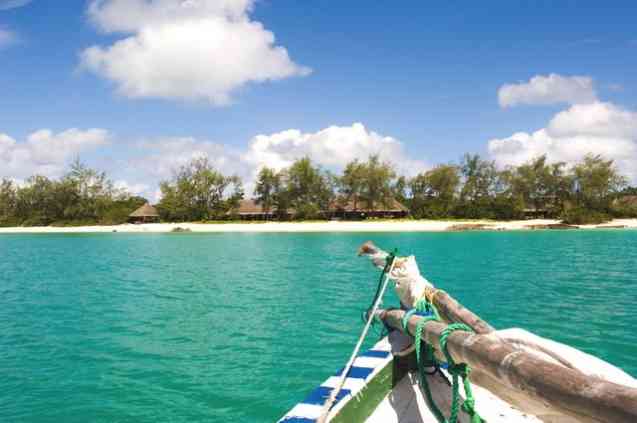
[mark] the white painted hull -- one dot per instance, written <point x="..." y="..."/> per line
<point x="403" y="402"/>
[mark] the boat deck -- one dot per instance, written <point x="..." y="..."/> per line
<point x="406" y="404"/>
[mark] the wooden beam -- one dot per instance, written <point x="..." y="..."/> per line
<point x="452" y="311"/>
<point x="567" y="391"/>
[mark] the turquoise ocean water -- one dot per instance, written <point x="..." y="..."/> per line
<point x="239" y="327"/>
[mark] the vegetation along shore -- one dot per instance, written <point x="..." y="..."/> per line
<point x="589" y="193"/>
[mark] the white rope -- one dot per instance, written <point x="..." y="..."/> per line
<point x="370" y="318"/>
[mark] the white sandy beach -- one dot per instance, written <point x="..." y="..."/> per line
<point x="331" y="226"/>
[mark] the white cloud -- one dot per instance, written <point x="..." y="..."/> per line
<point x="12" y="4"/>
<point x="332" y="148"/>
<point x="135" y="189"/>
<point x="162" y="157"/>
<point x="185" y="49"/>
<point x="598" y="128"/>
<point x="7" y="37"/>
<point x="46" y="153"/>
<point x="549" y="89"/>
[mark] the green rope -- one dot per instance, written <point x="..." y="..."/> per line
<point x="457" y="371"/>
<point x="388" y="262"/>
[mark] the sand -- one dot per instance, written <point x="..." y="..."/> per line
<point x="332" y="226"/>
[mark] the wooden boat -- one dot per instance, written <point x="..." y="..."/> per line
<point x="516" y="377"/>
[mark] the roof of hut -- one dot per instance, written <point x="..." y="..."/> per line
<point x="250" y="207"/>
<point x="247" y="207"/>
<point x="145" y="211"/>
<point x="360" y="205"/>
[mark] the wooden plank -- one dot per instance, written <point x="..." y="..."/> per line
<point x="567" y="391"/>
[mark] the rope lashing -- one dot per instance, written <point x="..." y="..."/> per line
<point x="423" y="308"/>
<point x="456" y="370"/>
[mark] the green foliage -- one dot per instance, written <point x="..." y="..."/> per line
<point x="82" y="196"/>
<point x="538" y="185"/>
<point x="583" y="216"/>
<point x="597" y="181"/>
<point x="507" y="207"/>
<point x="370" y="184"/>
<point x="592" y="191"/>
<point x="433" y="192"/>
<point x="308" y="189"/>
<point x="197" y="192"/>
<point x="480" y="178"/>
<point x="267" y="187"/>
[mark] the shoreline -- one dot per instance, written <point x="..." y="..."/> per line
<point x="329" y="226"/>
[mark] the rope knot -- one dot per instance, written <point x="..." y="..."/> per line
<point x="456" y="370"/>
<point x="461" y="369"/>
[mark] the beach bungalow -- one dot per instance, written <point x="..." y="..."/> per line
<point x="250" y="210"/>
<point x="357" y="209"/>
<point x="144" y="214"/>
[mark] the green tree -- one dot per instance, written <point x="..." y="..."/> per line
<point x="308" y="188"/>
<point x="199" y="192"/>
<point x="36" y="203"/>
<point x="399" y="190"/>
<point x="377" y="189"/>
<point x="8" y="203"/>
<point x="84" y="194"/>
<point x="351" y="183"/>
<point x="480" y="186"/>
<point x="597" y="182"/>
<point x="433" y="192"/>
<point x="539" y="185"/>
<point x="266" y="189"/>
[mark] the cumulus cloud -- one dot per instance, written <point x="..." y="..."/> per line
<point x="185" y="49"/>
<point x="597" y="128"/>
<point x="332" y="148"/>
<point x="12" y="4"/>
<point x="161" y="157"/>
<point x="45" y="152"/>
<point x="548" y="89"/>
<point x="132" y="188"/>
<point x="151" y="161"/>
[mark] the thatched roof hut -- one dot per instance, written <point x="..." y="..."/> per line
<point x="144" y="214"/>
<point x="248" y="209"/>
<point x="356" y="208"/>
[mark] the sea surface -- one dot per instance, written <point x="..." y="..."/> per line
<point x="239" y="327"/>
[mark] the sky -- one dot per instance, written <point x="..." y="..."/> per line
<point x="138" y="88"/>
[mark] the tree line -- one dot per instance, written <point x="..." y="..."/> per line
<point x="82" y="196"/>
<point x="590" y="191"/>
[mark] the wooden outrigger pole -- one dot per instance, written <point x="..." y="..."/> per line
<point x="569" y="391"/>
<point x="533" y="384"/>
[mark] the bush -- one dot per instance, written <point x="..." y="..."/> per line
<point x="625" y="207"/>
<point x="9" y="221"/>
<point x="582" y="216"/>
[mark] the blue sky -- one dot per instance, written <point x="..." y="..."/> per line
<point x="422" y="79"/>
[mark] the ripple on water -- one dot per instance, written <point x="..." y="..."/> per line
<point x="238" y="327"/>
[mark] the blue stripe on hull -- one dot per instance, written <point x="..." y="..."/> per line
<point x="297" y="420"/>
<point x="308" y="410"/>
<point x="375" y="353"/>
<point x="357" y="372"/>
<point x="320" y="394"/>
